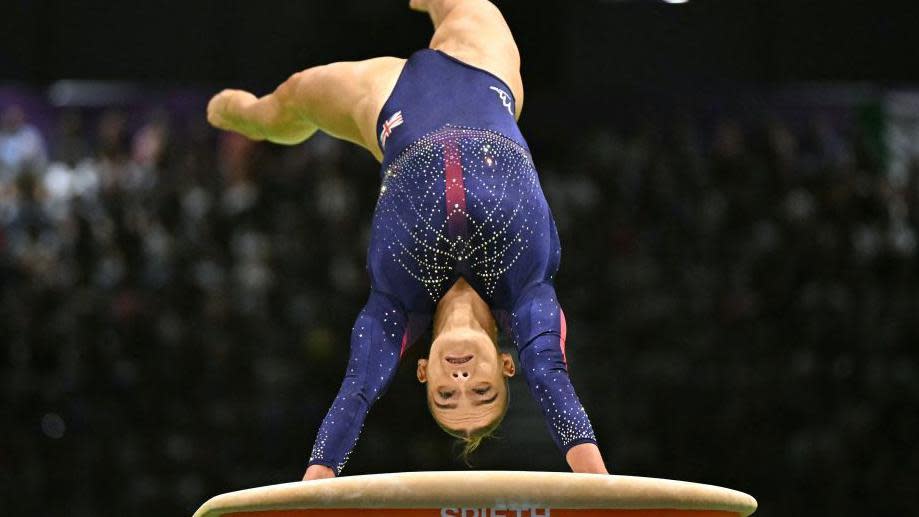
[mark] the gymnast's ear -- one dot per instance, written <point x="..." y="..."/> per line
<point x="422" y="371"/>
<point x="508" y="368"/>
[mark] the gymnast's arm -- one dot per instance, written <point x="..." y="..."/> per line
<point x="338" y="99"/>
<point x="537" y="323"/>
<point x="376" y="346"/>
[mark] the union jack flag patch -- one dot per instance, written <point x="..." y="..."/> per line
<point x="392" y="122"/>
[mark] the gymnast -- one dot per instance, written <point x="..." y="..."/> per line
<point x="462" y="239"/>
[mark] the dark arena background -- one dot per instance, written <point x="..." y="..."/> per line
<point x="736" y="187"/>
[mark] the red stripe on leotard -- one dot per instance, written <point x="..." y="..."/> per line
<point x="404" y="343"/>
<point x="455" y="193"/>
<point x="564" y="331"/>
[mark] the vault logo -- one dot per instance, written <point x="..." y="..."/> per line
<point x="495" y="512"/>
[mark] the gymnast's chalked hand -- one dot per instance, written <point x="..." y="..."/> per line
<point x="318" y="472"/>
<point x="586" y="459"/>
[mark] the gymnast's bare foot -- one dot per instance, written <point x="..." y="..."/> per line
<point x="418" y="5"/>
<point x="223" y="112"/>
<point x="425" y="5"/>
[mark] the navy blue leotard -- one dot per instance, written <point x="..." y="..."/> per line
<point x="459" y="197"/>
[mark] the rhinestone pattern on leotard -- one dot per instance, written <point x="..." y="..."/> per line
<point x="489" y="226"/>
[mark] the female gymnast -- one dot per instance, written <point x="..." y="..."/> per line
<point x="462" y="237"/>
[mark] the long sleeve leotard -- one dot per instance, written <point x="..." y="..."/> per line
<point x="459" y="196"/>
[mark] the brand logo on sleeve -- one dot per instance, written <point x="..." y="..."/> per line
<point x="505" y="98"/>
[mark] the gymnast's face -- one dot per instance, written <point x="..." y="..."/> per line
<point x="465" y="376"/>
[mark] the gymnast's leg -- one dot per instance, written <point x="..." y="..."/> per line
<point x="341" y="99"/>
<point x="474" y="31"/>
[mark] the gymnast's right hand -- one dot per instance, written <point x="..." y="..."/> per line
<point x="318" y="472"/>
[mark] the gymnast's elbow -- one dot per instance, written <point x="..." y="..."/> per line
<point x="361" y="393"/>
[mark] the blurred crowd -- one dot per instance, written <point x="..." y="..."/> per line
<point x="175" y="307"/>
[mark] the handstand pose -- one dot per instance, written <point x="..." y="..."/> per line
<point x="462" y="237"/>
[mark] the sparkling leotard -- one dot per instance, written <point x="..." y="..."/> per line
<point x="459" y="197"/>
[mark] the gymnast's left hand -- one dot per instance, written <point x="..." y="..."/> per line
<point x="318" y="472"/>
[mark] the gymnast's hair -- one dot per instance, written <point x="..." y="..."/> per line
<point x="474" y="438"/>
